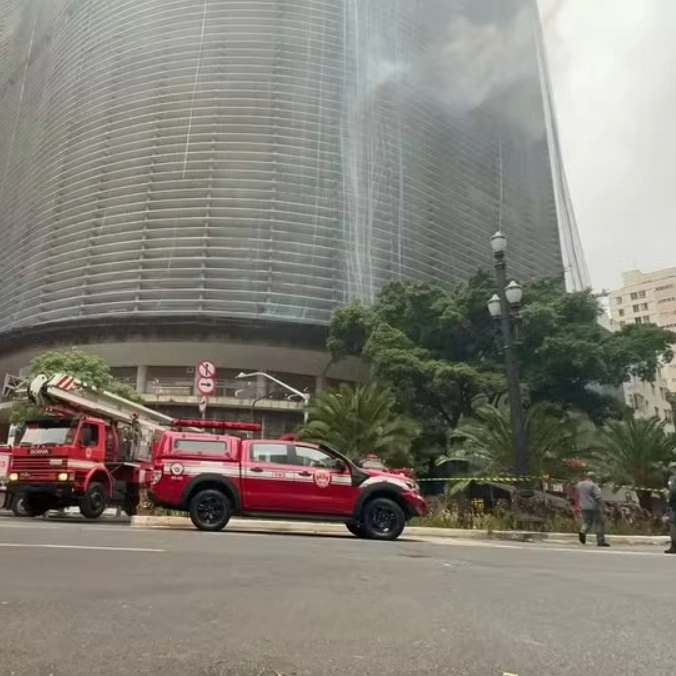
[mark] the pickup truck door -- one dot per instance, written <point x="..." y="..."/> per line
<point x="319" y="488"/>
<point x="267" y="476"/>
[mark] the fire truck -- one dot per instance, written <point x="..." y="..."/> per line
<point x="92" y="450"/>
<point x="102" y="449"/>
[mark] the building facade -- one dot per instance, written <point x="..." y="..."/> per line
<point x="187" y="179"/>
<point x="648" y="297"/>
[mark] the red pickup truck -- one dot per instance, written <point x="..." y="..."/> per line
<point x="216" y="476"/>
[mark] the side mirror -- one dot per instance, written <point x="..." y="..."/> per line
<point x="338" y="465"/>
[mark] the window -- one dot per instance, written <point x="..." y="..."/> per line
<point x="276" y="453"/>
<point x="641" y="294"/>
<point x="312" y="457"/>
<point x="621" y="313"/>
<point x="665" y="287"/>
<point x="634" y="296"/>
<point x="644" y="306"/>
<point x="646" y="319"/>
<point x="623" y="324"/>
<point x="201" y="446"/>
<point x="635" y="308"/>
<point x="89" y="435"/>
<point x="638" y="320"/>
<point x="618" y="300"/>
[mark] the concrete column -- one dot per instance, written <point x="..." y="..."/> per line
<point x="262" y="385"/>
<point x="141" y="378"/>
<point x="320" y="383"/>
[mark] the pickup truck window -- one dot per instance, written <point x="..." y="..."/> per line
<point x="311" y="457"/>
<point x="276" y="453"/>
<point x="200" y="446"/>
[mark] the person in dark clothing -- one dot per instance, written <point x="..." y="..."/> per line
<point x="671" y="500"/>
<point x="591" y="507"/>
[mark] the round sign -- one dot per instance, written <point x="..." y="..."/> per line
<point x="206" y="369"/>
<point x="323" y="478"/>
<point x="205" y="386"/>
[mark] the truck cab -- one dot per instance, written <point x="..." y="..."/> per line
<point x="215" y="476"/>
<point x="60" y="462"/>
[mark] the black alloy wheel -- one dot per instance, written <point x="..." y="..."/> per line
<point x="383" y="519"/>
<point x="210" y="510"/>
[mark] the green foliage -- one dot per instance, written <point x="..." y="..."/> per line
<point x="486" y="441"/>
<point x="359" y="420"/>
<point x="89" y="368"/>
<point x="635" y="452"/>
<point x="436" y="349"/>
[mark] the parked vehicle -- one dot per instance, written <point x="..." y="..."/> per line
<point x="96" y="449"/>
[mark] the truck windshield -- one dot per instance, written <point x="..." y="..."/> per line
<point x="43" y="434"/>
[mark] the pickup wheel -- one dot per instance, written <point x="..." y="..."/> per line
<point x="210" y="509"/>
<point x="356" y="529"/>
<point x="93" y="502"/>
<point x="383" y="519"/>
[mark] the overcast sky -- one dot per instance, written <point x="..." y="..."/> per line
<point x="613" y="66"/>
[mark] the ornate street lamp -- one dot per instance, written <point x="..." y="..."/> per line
<point x="504" y="307"/>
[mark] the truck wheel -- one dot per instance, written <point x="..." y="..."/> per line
<point x="19" y="506"/>
<point x="383" y="519"/>
<point x="93" y="502"/>
<point x="34" y="505"/>
<point x="210" y="510"/>
<point x="355" y="528"/>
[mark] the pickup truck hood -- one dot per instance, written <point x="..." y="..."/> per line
<point x="388" y="474"/>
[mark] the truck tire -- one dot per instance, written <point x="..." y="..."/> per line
<point x="210" y="509"/>
<point x="382" y="519"/>
<point x="19" y="506"/>
<point x="93" y="502"/>
<point x="355" y="528"/>
<point x="35" y="505"/>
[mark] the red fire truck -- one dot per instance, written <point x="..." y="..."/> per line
<point x="210" y="475"/>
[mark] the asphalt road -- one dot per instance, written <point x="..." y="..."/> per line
<point x="78" y="599"/>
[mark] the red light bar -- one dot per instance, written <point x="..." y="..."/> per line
<point x="216" y="424"/>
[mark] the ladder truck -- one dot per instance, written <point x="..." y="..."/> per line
<point x="92" y="450"/>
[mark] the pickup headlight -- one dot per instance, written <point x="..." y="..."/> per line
<point x="13" y="477"/>
<point x="63" y="476"/>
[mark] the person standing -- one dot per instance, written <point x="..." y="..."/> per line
<point x="671" y="501"/>
<point x="591" y="507"/>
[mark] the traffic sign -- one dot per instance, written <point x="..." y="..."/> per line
<point x="206" y="369"/>
<point x="202" y="406"/>
<point x="205" y="378"/>
<point x="205" y="386"/>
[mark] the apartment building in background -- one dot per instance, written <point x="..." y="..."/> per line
<point x="648" y="400"/>
<point x="648" y="298"/>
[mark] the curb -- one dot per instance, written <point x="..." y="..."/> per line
<point x="312" y="528"/>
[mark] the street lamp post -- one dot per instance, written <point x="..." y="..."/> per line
<point x="504" y="307"/>
<point x="305" y="396"/>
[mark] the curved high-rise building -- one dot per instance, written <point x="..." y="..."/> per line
<point x="175" y="167"/>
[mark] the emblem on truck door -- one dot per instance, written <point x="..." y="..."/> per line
<point x="322" y="478"/>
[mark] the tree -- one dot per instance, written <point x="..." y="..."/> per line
<point x="89" y="368"/>
<point x="635" y="452"/>
<point x="436" y="349"/>
<point x="485" y="440"/>
<point x="360" y="420"/>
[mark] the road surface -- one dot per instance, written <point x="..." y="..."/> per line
<point x="80" y="599"/>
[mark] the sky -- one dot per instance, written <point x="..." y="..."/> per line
<point x="613" y="68"/>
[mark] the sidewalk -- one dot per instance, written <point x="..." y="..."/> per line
<point x="413" y="532"/>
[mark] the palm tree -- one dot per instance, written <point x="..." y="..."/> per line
<point x="360" y="420"/>
<point x="635" y="452"/>
<point x="486" y="442"/>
